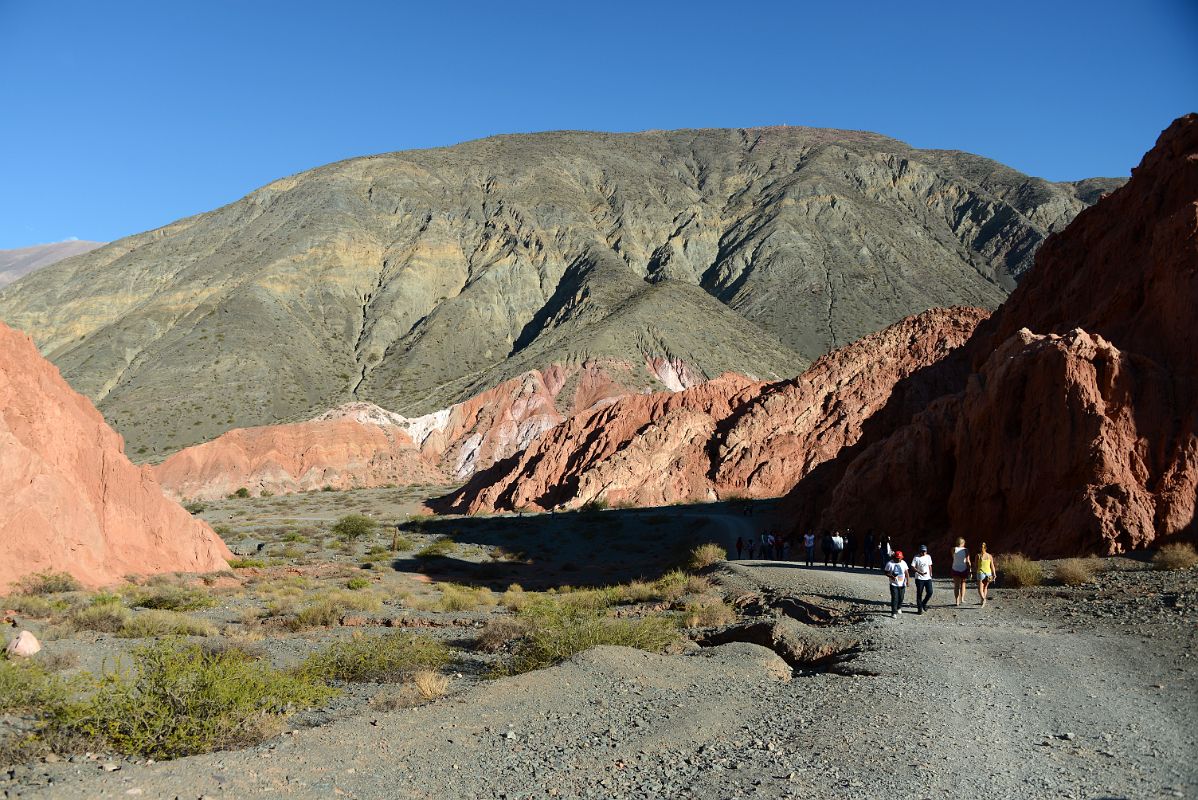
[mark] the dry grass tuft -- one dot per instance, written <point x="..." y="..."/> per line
<point x="1076" y="571"/>
<point x="1179" y="555"/>
<point x="431" y="685"/>
<point x="498" y="633"/>
<point x="705" y="555"/>
<point x="1018" y="570"/>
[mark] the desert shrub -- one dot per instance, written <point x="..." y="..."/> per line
<point x="593" y="506"/>
<point x="327" y="610"/>
<point x="705" y="555"/>
<point x="708" y="612"/>
<point x="1179" y="555"/>
<point x="26" y="685"/>
<point x="515" y="598"/>
<point x="431" y="685"/>
<point x="634" y="592"/>
<point x="357" y="583"/>
<point x="58" y="660"/>
<point x="246" y="563"/>
<point x="1075" y="571"/>
<point x="440" y="548"/>
<point x="388" y="657"/>
<point x="676" y="584"/>
<point x="498" y="633"/>
<point x="48" y="583"/>
<point x="179" y="700"/>
<point x="31" y="605"/>
<point x="556" y="632"/>
<point x="173" y="598"/>
<point x="103" y="617"/>
<point x="241" y="493"/>
<point x="194" y="507"/>
<point x="1018" y="570"/>
<point x="164" y="623"/>
<point x="352" y="527"/>
<point x="455" y="597"/>
<point x="587" y="599"/>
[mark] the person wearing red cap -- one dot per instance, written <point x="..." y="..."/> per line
<point x="896" y="572"/>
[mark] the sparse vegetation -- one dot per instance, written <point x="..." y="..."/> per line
<point x="705" y="555"/>
<point x="1179" y="555"/>
<point x="247" y="563"/>
<point x="498" y="633"/>
<point x="352" y="527"/>
<point x="556" y="632"/>
<point x="241" y="493"/>
<point x="441" y="548"/>
<point x="173" y="598"/>
<point x="431" y="685"/>
<point x="357" y="583"/>
<point x="180" y="700"/>
<point x="708" y="612"/>
<point x="456" y="597"/>
<point x="1075" y="571"/>
<point x="48" y="583"/>
<point x="1017" y="570"/>
<point x="388" y="657"/>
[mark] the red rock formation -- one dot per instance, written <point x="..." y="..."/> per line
<point x="1078" y="431"/>
<point x="731" y="436"/>
<point x="72" y="501"/>
<point x="360" y="445"/>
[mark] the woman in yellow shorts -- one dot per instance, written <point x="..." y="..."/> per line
<point x="987" y="572"/>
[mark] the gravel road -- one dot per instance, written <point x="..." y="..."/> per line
<point x="1007" y="701"/>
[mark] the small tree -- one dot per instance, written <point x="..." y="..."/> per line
<point x="354" y="526"/>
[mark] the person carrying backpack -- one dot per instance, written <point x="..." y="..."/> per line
<point x="896" y="573"/>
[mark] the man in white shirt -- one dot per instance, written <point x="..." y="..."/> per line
<point x="896" y="573"/>
<point x="921" y="569"/>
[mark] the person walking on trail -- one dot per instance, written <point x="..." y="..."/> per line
<point x="871" y="552"/>
<point x="885" y="551"/>
<point x="921" y="568"/>
<point x="850" y="544"/>
<point x="825" y="544"/>
<point x="961" y="568"/>
<point x="896" y="573"/>
<point x="740" y="546"/>
<point x="987" y="572"/>
<point x="809" y="546"/>
<point x="767" y="545"/>
<point x="837" y="548"/>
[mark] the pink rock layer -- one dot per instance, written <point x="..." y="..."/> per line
<point x="360" y="445"/>
<point x="72" y="501"/>
<point x="1076" y="431"/>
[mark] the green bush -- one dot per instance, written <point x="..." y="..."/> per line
<point x="241" y="493"/>
<point x="388" y="657"/>
<point x="357" y="583"/>
<point x="441" y="548"/>
<point x="455" y="597"/>
<point x="705" y="555"/>
<point x="48" y="583"/>
<point x="180" y="700"/>
<point x="1017" y="570"/>
<point x="26" y="686"/>
<point x="173" y="598"/>
<point x="194" y="507"/>
<point x="354" y="526"/>
<point x="246" y="563"/>
<point x="32" y="605"/>
<point x="165" y="623"/>
<point x="556" y="632"/>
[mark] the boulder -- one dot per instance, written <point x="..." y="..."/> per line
<point x="25" y="644"/>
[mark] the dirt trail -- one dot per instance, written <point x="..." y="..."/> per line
<point x="993" y="702"/>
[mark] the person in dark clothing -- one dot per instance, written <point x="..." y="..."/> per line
<point x="871" y="551"/>
<point x="740" y="546"/>
<point x="885" y="551"/>
<point x="850" y="545"/>
<point x="825" y="545"/>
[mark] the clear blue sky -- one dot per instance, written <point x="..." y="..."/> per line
<point x="120" y="116"/>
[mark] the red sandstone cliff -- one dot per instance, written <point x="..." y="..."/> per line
<point x="730" y="436"/>
<point x="72" y="501"/>
<point x="1078" y="429"/>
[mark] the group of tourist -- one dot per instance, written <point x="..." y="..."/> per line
<point x="839" y="548"/>
<point x="898" y="572"/>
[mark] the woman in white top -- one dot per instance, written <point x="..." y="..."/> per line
<point x="961" y="568"/>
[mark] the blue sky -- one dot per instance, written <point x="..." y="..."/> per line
<point x="118" y="117"/>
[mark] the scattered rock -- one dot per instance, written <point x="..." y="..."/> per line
<point x="24" y="645"/>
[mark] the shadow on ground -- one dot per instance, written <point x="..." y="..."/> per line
<point x="586" y="548"/>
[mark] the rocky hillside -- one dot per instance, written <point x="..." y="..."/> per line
<point x="72" y="501"/>
<point x="23" y="260"/>
<point x="729" y="437"/>
<point x="415" y="280"/>
<point x="1076" y="428"/>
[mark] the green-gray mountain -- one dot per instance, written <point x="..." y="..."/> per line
<point x="417" y="278"/>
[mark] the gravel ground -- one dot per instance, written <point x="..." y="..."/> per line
<point x="1086" y="692"/>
